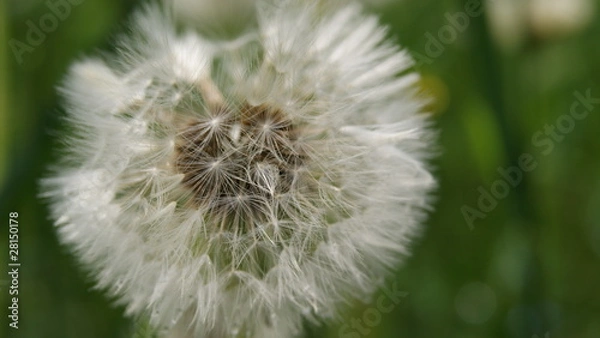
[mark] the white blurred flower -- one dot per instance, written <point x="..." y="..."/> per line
<point x="233" y="189"/>
<point x="560" y="17"/>
<point x="513" y="22"/>
<point x="508" y="22"/>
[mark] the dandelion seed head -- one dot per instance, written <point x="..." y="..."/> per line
<point x="236" y="188"/>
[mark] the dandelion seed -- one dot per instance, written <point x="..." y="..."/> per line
<point x="227" y="189"/>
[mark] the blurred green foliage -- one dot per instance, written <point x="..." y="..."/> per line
<point x="526" y="268"/>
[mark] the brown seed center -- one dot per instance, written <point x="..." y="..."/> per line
<point x="237" y="164"/>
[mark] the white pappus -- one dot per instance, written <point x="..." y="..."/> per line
<point x="235" y="189"/>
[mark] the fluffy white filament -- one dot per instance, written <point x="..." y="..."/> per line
<point x="233" y="189"/>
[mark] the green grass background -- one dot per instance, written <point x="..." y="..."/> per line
<point x="531" y="267"/>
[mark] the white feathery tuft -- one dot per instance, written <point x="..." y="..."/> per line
<point x="233" y="189"/>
